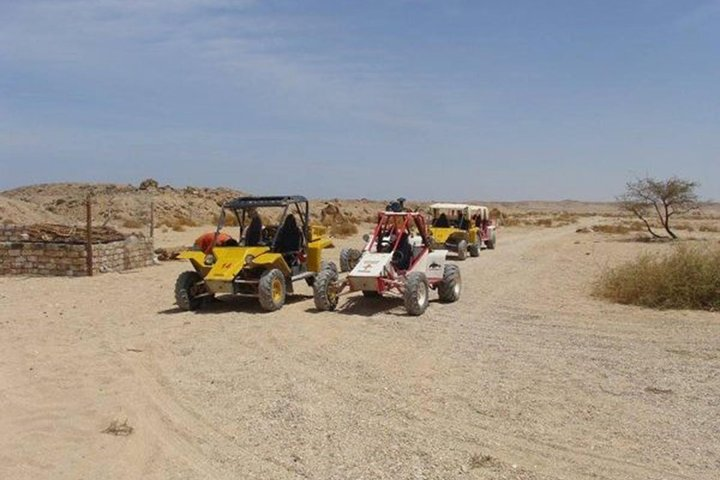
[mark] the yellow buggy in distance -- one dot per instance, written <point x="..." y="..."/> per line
<point x="268" y="259"/>
<point x="461" y="228"/>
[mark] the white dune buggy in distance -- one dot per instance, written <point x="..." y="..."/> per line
<point x="396" y="261"/>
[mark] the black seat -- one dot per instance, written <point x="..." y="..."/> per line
<point x="254" y="232"/>
<point x="403" y="253"/>
<point x="442" y="221"/>
<point x="289" y="238"/>
<point x="462" y="223"/>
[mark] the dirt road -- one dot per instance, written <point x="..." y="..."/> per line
<point x="527" y="377"/>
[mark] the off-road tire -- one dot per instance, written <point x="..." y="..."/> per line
<point x="474" y="249"/>
<point x="324" y="265"/>
<point x="371" y="294"/>
<point x="349" y="258"/>
<point x="328" y="265"/>
<point x="490" y="244"/>
<point x="185" y="285"/>
<point x="323" y="295"/>
<point x="462" y="250"/>
<point x="416" y="294"/>
<point x="450" y="288"/>
<point x="272" y="290"/>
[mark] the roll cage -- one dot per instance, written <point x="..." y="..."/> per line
<point x="290" y="204"/>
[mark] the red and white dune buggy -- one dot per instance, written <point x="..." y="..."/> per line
<point x="397" y="260"/>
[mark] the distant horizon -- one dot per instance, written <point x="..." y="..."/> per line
<point x="310" y="197"/>
<point x="451" y="99"/>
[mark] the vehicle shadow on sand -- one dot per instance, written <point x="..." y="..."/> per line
<point x="230" y="303"/>
<point x="369" y="306"/>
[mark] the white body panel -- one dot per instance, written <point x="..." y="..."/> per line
<point x="432" y="264"/>
<point x="370" y="266"/>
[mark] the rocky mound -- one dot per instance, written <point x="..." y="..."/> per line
<point x="118" y="205"/>
<point x="19" y="212"/>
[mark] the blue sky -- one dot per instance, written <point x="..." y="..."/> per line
<point x="425" y="99"/>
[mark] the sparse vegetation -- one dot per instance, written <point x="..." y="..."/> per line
<point x="619" y="228"/>
<point x="343" y="229"/>
<point x="119" y="429"/>
<point x="179" y="224"/>
<point x="708" y="229"/>
<point x="539" y="219"/>
<point x="687" y="278"/>
<point x="648" y="198"/>
<point x="132" y="223"/>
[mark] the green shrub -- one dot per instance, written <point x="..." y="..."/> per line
<point x="686" y="278"/>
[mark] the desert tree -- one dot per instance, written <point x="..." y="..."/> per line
<point x="648" y="197"/>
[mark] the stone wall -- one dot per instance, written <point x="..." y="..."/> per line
<point x="19" y="256"/>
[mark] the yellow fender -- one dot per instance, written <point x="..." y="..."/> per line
<point x="272" y="260"/>
<point x="230" y="260"/>
<point x="197" y="259"/>
<point x="314" y="253"/>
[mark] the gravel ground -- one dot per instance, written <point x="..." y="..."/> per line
<point x="526" y="377"/>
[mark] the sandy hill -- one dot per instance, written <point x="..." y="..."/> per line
<point x="18" y="211"/>
<point x="122" y="205"/>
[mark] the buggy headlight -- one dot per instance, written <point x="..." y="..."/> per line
<point x="210" y="259"/>
<point x="249" y="259"/>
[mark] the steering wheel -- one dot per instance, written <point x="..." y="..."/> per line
<point x="267" y="235"/>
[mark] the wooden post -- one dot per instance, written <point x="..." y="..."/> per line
<point x="152" y="218"/>
<point x="88" y="236"/>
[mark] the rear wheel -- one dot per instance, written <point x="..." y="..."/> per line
<point x="451" y="286"/>
<point x="349" y="258"/>
<point x="188" y="288"/>
<point x="416" y="293"/>
<point x="325" y="290"/>
<point x="272" y="290"/>
<point x="462" y="249"/>
<point x="474" y="249"/>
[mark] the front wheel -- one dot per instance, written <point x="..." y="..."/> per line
<point x="272" y="290"/>
<point x="416" y="294"/>
<point x="474" y="249"/>
<point x="451" y="286"/>
<point x="490" y="243"/>
<point x="189" y="290"/>
<point x="325" y="292"/>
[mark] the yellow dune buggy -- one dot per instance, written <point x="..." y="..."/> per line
<point x="461" y="228"/>
<point x="267" y="259"/>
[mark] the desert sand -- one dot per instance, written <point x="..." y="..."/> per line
<point x="526" y="377"/>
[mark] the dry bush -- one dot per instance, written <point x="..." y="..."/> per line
<point x="230" y="220"/>
<point x="178" y="224"/>
<point x="685" y="226"/>
<point x="708" y="229"/>
<point x="635" y="226"/>
<point x="344" y="229"/>
<point x="566" y="218"/>
<point x="119" y="429"/>
<point x="132" y="223"/>
<point x="688" y="277"/>
<point x="619" y="228"/>
<point x="543" y="222"/>
<point x="612" y="229"/>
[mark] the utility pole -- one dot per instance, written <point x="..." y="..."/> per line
<point x="88" y="235"/>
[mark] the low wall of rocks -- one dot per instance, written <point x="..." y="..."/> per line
<point x="19" y="256"/>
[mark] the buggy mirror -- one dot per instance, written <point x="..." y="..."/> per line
<point x="366" y="237"/>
